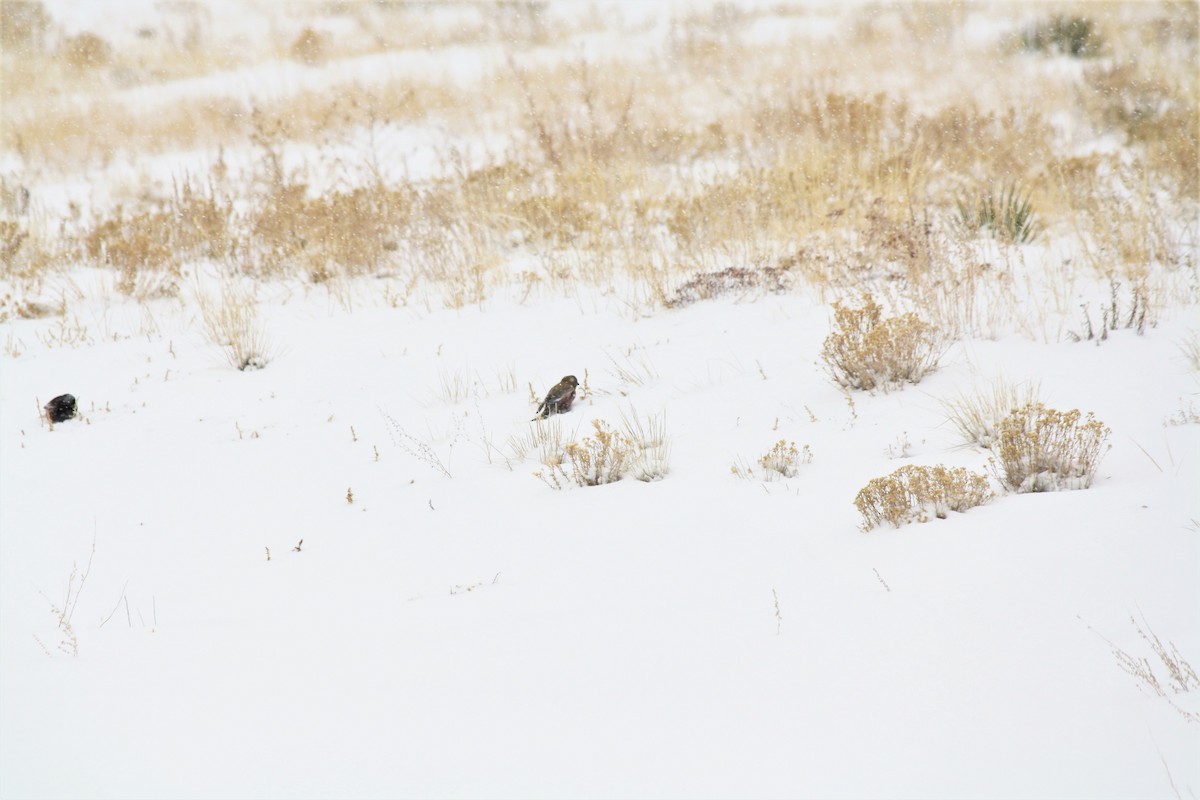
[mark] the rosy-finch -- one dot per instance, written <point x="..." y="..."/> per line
<point x="61" y="408"/>
<point x="559" y="398"/>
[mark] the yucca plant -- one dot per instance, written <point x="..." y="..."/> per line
<point x="1077" y="37"/>
<point x="1009" y="216"/>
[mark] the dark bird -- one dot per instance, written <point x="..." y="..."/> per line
<point x="61" y="408"/>
<point x="559" y="398"/>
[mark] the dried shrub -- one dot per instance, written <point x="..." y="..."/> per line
<point x="1040" y="449"/>
<point x="913" y="494"/>
<point x="308" y="47"/>
<point x="599" y="460"/>
<point x="22" y="23"/>
<point x="781" y="461"/>
<point x="609" y="455"/>
<point x="86" y="51"/>
<point x="866" y="351"/>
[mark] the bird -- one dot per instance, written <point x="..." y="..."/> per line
<point x="60" y="409"/>
<point x="559" y="398"/>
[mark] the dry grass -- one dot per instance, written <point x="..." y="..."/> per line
<point x="1189" y="351"/>
<point x="721" y="173"/>
<point x="977" y="414"/>
<point x="651" y="459"/>
<point x="544" y="439"/>
<point x="1178" y="675"/>
<point x="231" y="321"/>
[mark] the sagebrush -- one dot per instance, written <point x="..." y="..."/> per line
<point x="914" y="494"/>
<point x="783" y="460"/>
<point x="867" y="351"/>
<point x="1041" y="449"/>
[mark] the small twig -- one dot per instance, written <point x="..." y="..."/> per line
<point x="1152" y="461"/>
<point x="881" y="580"/>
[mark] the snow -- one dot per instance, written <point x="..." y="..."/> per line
<point x="244" y="630"/>
<point x="484" y="635"/>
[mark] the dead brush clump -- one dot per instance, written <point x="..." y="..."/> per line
<point x="914" y="494"/>
<point x="731" y="280"/>
<point x="1040" y="449"/>
<point x="866" y="351"/>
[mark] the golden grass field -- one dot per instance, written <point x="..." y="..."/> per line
<point x="885" y="149"/>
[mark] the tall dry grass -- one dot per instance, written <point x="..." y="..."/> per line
<point x="835" y="166"/>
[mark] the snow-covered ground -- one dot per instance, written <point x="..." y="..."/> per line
<point x="336" y="576"/>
